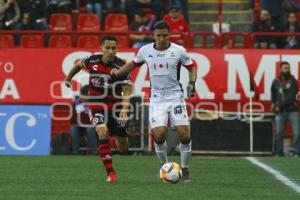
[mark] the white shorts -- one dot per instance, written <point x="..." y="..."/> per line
<point x="161" y="112"/>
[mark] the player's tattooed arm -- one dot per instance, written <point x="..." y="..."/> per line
<point x="75" y="69"/>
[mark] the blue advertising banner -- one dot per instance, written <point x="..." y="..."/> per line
<point x="25" y="130"/>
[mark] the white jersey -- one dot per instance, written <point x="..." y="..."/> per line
<point x="164" y="68"/>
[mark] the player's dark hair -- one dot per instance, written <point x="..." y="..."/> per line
<point x="284" y="63"/>
<point x="109" y="37"/>
<point x="161" y="25"/>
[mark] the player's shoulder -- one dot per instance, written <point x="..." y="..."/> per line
<point x="177" y="47"/>
<point x="94" y="58"/>
<point x="147" y="47"/>
<point x="119" y="61"/>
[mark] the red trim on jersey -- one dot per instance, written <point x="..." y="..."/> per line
<point x="189" y="67"/>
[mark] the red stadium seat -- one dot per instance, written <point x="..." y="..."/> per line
<point x="60" y="41"/>
<point x="32" y="41"/>
<point x="116" y="22"/>
<point x="6" y="41"/>
<point x="60" y="22"/>
<point x="123" y="41"/>
<point x="88" y="22"/>
<point x="88" y="41"/>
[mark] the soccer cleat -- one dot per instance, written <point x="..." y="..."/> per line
<point x="112" y="177"/>
<point x="185" y="175"/>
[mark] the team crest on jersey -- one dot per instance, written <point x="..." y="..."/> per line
<point x="172" y="55"/>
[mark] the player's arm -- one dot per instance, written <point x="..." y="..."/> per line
<point x="75" y="69"/>
<point x="192" y="80"/>
<point x="127" y="91"/>
<point x="138" y="60"/>
<point x="124" y="70"/>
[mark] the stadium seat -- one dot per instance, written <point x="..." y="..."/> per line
<point x="32" y="41"/>
<point x="123" y="41"/>
<point x="88" y="22"/>
<point x="60" y="22"/>
<point x="116" y="22"/>
<point x="88" y="41"/>
<point x="60" y="41"/>
<point x="6" y="41"/>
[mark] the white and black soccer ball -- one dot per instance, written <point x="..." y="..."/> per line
<point x="170" y="173"/>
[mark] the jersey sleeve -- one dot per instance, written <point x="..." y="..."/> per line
<point x="139" y="59"/>
<point x="85" y="62"/>
<point x="185" y="59"/>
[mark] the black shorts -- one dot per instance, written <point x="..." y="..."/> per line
<point x="107" y="117"/>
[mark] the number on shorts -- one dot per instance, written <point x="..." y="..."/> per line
<point x="178" y="110"/>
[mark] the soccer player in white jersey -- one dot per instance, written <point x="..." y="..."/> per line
<point x="164" y="60"/>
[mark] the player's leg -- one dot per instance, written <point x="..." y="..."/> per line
<point x="122" y="145"/>
<point x="294" y="121"/>
<point x="158" y="116"/>
<point x="119" y="132"/>
<point x="179" y="118"/>
<point x="99" y="120"/>
<point x="160" y="143"/>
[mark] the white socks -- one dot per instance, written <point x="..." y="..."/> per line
<point x="161" y="151"/>
<point x="185" y="154"/>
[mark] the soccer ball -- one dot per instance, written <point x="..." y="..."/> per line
<point x="170" y="172"/>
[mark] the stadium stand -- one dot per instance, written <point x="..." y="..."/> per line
<point x="60" y="22"/>
<point x="116" y="22"/>
<point x="88" y="41"/>
<point x="6" y="41"/>
<point x="60" y="41"/>
<point x="32" y="41"/>
<point x="88" y="22"/>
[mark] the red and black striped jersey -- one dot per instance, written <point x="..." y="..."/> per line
<point x="101" y="90"/>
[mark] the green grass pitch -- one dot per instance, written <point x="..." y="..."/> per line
<point x="83" y="177"/>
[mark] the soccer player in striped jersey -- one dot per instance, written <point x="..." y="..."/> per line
<point x="164" y="60"/>
<point x="105" y="99"/>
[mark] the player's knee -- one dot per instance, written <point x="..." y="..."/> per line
<point x="102" y="131"/>
<point x="159" y="140"/>
<point x="185" y="139"/>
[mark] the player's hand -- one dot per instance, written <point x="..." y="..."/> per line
<point x="123" y="117"/>
<point x="68" y="83"/>
<point x="190" y="89"/>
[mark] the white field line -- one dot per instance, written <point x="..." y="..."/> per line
<point x="278" y="175"/>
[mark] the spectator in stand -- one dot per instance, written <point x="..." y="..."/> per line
<point x="275" y="7"/>
<point x="284" y="104"/>
<point x="177" y="24"/>
<point x="265" y="24"/>
<point x="294" y="4"/>
<point x="292" y="42"/>
<point x="94" y="6"/>
<point x="9" y="14"/>
<point x="141" y="23"/>
<point x="81" y="124"/>
<point x="153" y="6"/>
<point x="34" y="15"/>
<point x="60" y="6"/>
<point x="182" y="5"/>
<point x="116" y="5"/>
